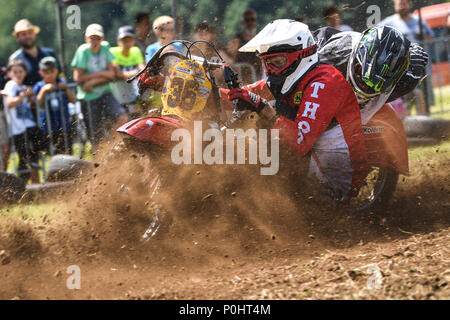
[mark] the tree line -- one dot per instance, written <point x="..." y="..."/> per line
<point x="225" y="14"/>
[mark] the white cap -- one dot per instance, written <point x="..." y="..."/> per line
<point x="94" y="30"/>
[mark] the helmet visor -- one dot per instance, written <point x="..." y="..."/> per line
<point x="363" y="87"/>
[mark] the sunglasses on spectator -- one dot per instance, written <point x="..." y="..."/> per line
<point x="250" y="19"/>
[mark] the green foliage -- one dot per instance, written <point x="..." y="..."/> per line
<point x="226" y="14"/>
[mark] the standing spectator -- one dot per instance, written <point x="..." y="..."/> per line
<point x="409" y="25"/>
<point x="25" y="34"/>
<point x="164" y="27"/>
<point x="93" y="70"/>
<point x="144" y="36"/>
<point x="129" y="60"/>
<point x="332" y="18"/>
<point x="27" y="137"/>
<point x="53" y="91"/>
<point x="207" y="32"/>
<point x="4" y="143"/>
<point x="249" y="24"/>
<point x="4" y="147"/>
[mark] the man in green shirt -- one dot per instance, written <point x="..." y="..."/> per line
<point x="129" y="61"/>
<point x="93" y="71"/>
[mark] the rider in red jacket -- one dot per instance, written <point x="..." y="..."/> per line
<point x="312" y="104"/>
<point x="310" y="99"/>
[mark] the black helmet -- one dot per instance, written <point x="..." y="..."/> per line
<point x="379" y="61"/>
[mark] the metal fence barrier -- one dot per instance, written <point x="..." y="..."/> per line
<point x="439" y="52"/>
<point x="64" y="126"/>
<point x="71" y="130"/>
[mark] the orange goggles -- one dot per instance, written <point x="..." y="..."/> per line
<point x="276" y="63"/>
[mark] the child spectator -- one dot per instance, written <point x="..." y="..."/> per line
<point x="332" y="18"/>
<point x="207" y="32"/>
<point x="25" y="134"/>
<point x="144" y="35"/>
<point x="129" y="60"/>
<point x="52" y="92"/>
<point x="3" y="141"/>
<point x="93" y="70"/>
<point x="164" y="28"/>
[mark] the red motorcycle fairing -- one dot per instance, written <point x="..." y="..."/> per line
<point x="385" y="140"/>
<point x="157" y="130"/>
<point x="384" y="137"/>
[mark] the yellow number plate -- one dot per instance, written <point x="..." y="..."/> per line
<point x="186" y="90"/>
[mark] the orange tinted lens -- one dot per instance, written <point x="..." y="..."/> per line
<point x="278" y="61"/>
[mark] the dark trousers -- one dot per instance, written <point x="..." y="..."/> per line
<point x="28" y="145"/>
<point x="100" y="114"/>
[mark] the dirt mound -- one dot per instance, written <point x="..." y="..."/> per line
<point x="207" y="212"/>
<point x="21" y="241"/>
<point x="210" y="213"/>
<point x="228" y="232"/>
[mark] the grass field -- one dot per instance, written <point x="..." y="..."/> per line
<point x="441" y="107"/>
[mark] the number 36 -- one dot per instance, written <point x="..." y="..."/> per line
<point x="184" y="93"/>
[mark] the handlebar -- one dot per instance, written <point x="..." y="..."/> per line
<point x="154" y="64"/>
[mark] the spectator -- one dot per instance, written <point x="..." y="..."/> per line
<point x="129" y="60"/>
<point x="144" y="36"/>
<point x="249" y="24"/>
<point x="25" y="34"/>
<point x="207" y="32"/>
<point x="4" y="143"/>
<point x="93" y="70"/>
<point x="332" y="18"/>
<point x="164" y="27"/>
<point x="409" y="25"/>
<point x="26" y="136"/>
<point x="301" y="19"/>
<point x="53" y="91"/>
<point x="4" y="147"/>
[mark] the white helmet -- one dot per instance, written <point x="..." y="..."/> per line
<point x="287" y="50"/>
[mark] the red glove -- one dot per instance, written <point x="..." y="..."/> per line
<point x="247" y="99"/>
<point x="152" y="82"/>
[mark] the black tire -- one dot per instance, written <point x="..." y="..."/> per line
<point x="12" y="188"/>
<point x="377" y="191"/>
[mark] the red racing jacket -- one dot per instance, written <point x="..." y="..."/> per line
<point x="322" y="99"/>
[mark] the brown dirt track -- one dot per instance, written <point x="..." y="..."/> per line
<point x="230" y="238"/>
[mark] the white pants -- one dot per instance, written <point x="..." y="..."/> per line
<point x="332" y="168"/>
